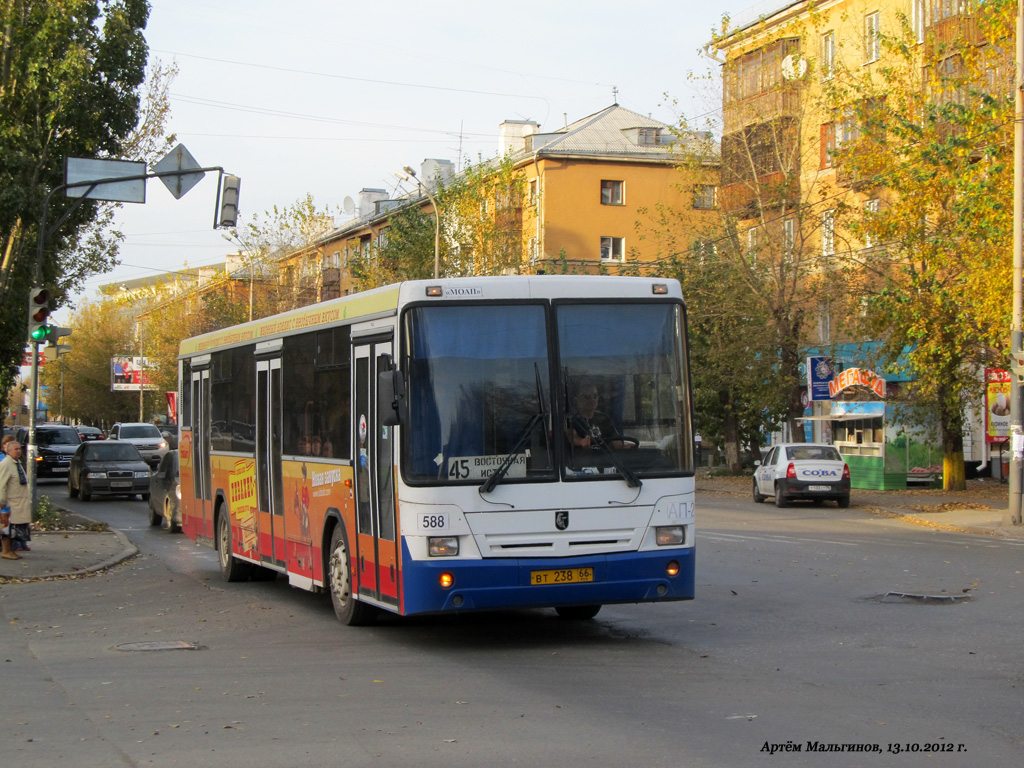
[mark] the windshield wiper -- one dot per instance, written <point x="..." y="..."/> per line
<point x="629" y="475"/>
<point x="510" y="458"/>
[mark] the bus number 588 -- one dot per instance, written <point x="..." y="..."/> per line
<point x="433" y="522"/>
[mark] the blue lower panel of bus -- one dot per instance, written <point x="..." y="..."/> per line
<point x="633" y="577"/>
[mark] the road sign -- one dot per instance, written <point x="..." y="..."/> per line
<point x="80" y="170"/>
<point x="179" y="159"/>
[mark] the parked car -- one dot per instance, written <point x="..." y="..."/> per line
<point x="802" y="471"/>
<point x="165" y="494"/>
<point x="145" y="437"/>
<point x="108" y="468"/>
<point x="90" y="433"/>
<point x="54" y="445"/>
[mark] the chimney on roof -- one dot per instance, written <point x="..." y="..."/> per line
<point x="433" y="170"/>
<point x="368" y="199"/>
<point x="512" y="135"/>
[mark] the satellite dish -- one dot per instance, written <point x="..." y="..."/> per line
<point x="347" y="205"/>
<point x="793" y="68"/>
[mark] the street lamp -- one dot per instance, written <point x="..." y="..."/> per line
<point x="410" y="173"/>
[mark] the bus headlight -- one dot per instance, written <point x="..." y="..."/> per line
<point x="443" y="546"/>
<point x="669" y="535"/>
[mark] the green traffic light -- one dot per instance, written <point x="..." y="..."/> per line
<point x="42" y="333"/>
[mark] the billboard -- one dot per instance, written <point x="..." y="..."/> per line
<point x="997" y="405"/>
<point x="129" y="374"/>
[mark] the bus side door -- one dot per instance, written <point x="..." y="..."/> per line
<point x="269" y="486"/>
<point x="376" y="534"/>
<point x="201" y="479"/>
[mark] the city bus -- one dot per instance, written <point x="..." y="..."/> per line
<point x="439" y="446"/>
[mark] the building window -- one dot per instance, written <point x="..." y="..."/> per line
<point x="704" y="196"/>
<point x="828" y="233"/>
<point x="705" y="250"/>
<point x="828" y="55"/>
<point x="788" y="239"/>
<point x="611" y="192"/>
<point x="828" y="145"/>
<point x="870" y="215"/>
<point x="919" y="19"/>
<point x="872" y="40"/>
<point x="533" y="192"/>
<point x="613" y="248"/>
<point x="648" y="136"/>
<point x="851" y="128"/>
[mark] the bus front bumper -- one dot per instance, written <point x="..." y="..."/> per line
<point x="631" y="577"/>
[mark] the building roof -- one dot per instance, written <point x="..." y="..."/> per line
<point x="612" y="132"/>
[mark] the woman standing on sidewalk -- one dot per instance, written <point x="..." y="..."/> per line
<point x="14" y="494"/>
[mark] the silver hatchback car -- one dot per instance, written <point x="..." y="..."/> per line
<point x="802" y="471"/>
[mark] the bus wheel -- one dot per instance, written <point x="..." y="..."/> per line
<point x="577" y="612"/>
<point x="349" y="611"/>
<point x="231" y="568"/>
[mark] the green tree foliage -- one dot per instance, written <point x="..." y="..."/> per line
<point x="481" y="212"/>
<point x="290" y="233"/>
<point x="939" y="157"/>
<point x="733" y="364"/>
<point x="406" y="252"/>
<point x="70" y="77"/>
<point x="101" y="330"/>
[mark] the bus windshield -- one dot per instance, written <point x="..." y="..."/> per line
<point x="481" y="378"/>
<point x="477" y="376"/>
<point x="623" y="387"/>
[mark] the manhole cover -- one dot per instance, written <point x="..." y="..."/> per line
<point x="164" y="645"/>
<point x="924" y="599"/>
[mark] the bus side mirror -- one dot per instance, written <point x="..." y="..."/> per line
<point x="391" y="408"/>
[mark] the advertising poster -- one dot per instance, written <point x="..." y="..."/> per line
<point x="997" y="405"/>
<point x="129" y="374"/>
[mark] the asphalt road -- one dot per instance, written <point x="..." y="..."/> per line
<point x="811" y="626"/>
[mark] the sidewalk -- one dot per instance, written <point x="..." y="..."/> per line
<point x="67" y="554"/>
<point x="983" y="508"/>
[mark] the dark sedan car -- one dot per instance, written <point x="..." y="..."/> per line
<point x="90" y="433"/>
<point x="112" y="469"/>
<point x="55" y="443"/>
<point x="165" y="494"/>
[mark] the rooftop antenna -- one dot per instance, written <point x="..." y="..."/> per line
<point x="615" y="95"/>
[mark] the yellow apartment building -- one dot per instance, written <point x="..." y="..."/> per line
<point x="588" y="192"/>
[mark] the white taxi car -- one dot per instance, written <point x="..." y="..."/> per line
<point x="802" y="471"/>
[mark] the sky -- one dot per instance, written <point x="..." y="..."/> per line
<point x="326" y="98"/>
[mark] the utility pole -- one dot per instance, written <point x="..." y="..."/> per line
<point x="1017" y="322"/>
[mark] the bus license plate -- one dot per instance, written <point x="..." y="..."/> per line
<point x="562" y="576"/>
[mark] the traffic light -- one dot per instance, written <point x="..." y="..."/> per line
<point x="55" y="349"/>
<point x="39" y="315"/>
<point x="228" y="214"/>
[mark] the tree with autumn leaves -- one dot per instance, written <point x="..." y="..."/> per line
<point x="937" y="155"/>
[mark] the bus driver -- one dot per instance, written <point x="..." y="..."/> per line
<point x="588" y="427"/>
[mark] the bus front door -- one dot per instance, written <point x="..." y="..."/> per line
<point x="202" y="512"/>
<point x="376" y="525"/>
<point x="269" y="487"/>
